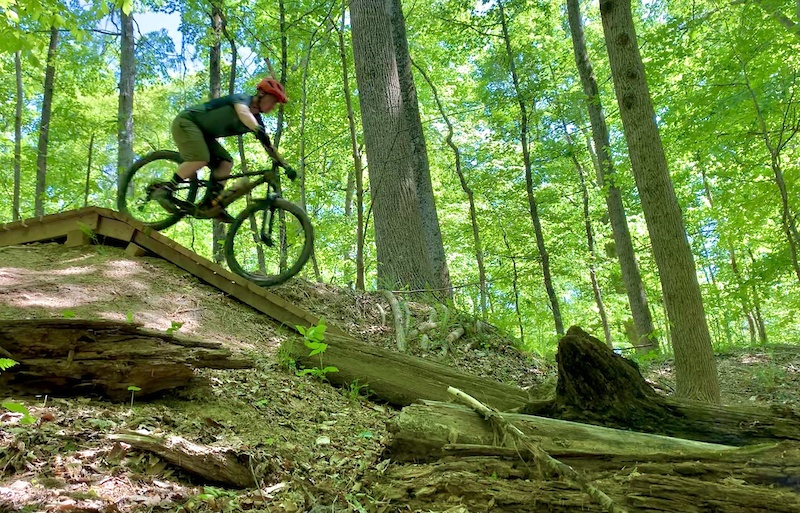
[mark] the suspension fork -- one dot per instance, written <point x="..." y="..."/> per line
<point x="266" y="225"/>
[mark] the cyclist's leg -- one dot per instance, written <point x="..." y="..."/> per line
<point x="221" y="165"/>
<point x="194" y="151"/>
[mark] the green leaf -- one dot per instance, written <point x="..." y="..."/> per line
<point x="127" y="6"/>
<point x="7" y="363"/>
<point x="134" y="388"/>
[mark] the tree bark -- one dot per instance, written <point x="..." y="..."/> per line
<point x="213" y="464"/>
<point x="127" y="78"/>
<point x="695" y="368"/>
<point x="357" y="164"/>
<point x="44" y="124"/>
<point x="419" y="157"/>
<point x="102" y="357"/>
<point x="599" y="387"/>
<point x="404" y="261"/>
<point x="400" y="379"/>
<point x="17" y="137"/>
<point x="606" y="174"/>
<point x="529" y="189"/>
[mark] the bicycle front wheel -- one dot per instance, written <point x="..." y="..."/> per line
<point x="269" y="256"/>
<point x="133" y="196"/>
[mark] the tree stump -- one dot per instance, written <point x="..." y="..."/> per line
<point x="597" y="386"/>
<point x="73" y="357"/>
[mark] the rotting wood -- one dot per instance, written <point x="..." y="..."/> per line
<point x="213" y="464"/>
<point x="545" y="462"/>
<point x="596" y="386"/>
<point x="693" y="476"/>
<point x="423" y="431"/>
<point x="73" y="356"/>
<point x="399" y="323"/>
<point x="400" y="379"/>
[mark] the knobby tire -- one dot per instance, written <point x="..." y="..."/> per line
<point x="242" y="222"/>
<point x="169" y="218"/>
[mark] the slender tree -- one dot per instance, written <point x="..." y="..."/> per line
<point x="127" y="78"/>
<point x="44" y="124"/>
<point x="17" y="136"/>
<point x="606" y="180"/>
<point x="695" y="368"/>
<point x="356" y="152"/>
<point x="529" y="188"/>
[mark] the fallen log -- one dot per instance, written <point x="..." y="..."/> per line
<point x="73" y="356"/>
<point x="692" y="476"/>
<point x="508" y="486"/>
<point x="213" y="464"/>
<point x="400" y="379"/>
<point x="596" y="386"/>
<point x="428" y="430"/>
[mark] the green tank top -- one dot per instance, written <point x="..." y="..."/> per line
<point x="218" y="118"/>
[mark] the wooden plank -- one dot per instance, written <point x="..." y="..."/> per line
<point x="77" y="238"/>
<point x="46" y="228"/>
<point x="115" y="229"/>
<point x="135" y="250"/>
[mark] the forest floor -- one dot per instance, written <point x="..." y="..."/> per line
<point x="313" y="447"/>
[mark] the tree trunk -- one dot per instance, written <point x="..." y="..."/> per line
<point x="419" y="157"/>
<point x="695" y="368"/>
<point x="532" y="205"/>
<point x="88" y="171"/>
<point x="102" y="357"/>
<point x="303" y="110"/>
<point x="403" y="255"/>
<point x="587" y="221"/>
<point x="357" y="165"/>
<point x="127" y="78"/>
<point x="515" y="288"/>
<point x="44" y="124"/>
<point x="397" y="378"/>
<point x="774" y="150"/>
<point x="598" y="387"/>
<point x="215" y="89"/>
<point x="17" y="137"/>
<point x="631" y="278"/>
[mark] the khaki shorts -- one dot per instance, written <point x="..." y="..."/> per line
<point x="194" y="145"/>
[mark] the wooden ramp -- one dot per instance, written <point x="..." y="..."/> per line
<point x="100" y="225"/>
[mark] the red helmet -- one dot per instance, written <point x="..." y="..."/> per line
<point x="273" y="87"/>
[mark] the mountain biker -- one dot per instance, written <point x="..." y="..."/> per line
<point x="196" y="129"/>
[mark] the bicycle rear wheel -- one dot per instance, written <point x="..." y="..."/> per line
<point x="269" y="262"/>
<point x="133" y="196"/>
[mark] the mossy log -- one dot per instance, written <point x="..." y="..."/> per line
<point x="400" y="379"/>
<point x="596" y="386"/>
<point x="72" y="356"/>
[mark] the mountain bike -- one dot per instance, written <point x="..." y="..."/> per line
<point x="269" y="241"/>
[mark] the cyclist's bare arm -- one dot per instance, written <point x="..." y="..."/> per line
<point x="249" y="120"/>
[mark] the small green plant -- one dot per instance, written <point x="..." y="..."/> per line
<point x="7" y="363"/>
<point x="133" y="389"/>
<point x="68" y="314"/>
<point x="129" y="317"/>
<point x="174" y="326"/>
<point x="354" y="391"/>
<point x="27" y="418"/>
<point x="313" y="338"/>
